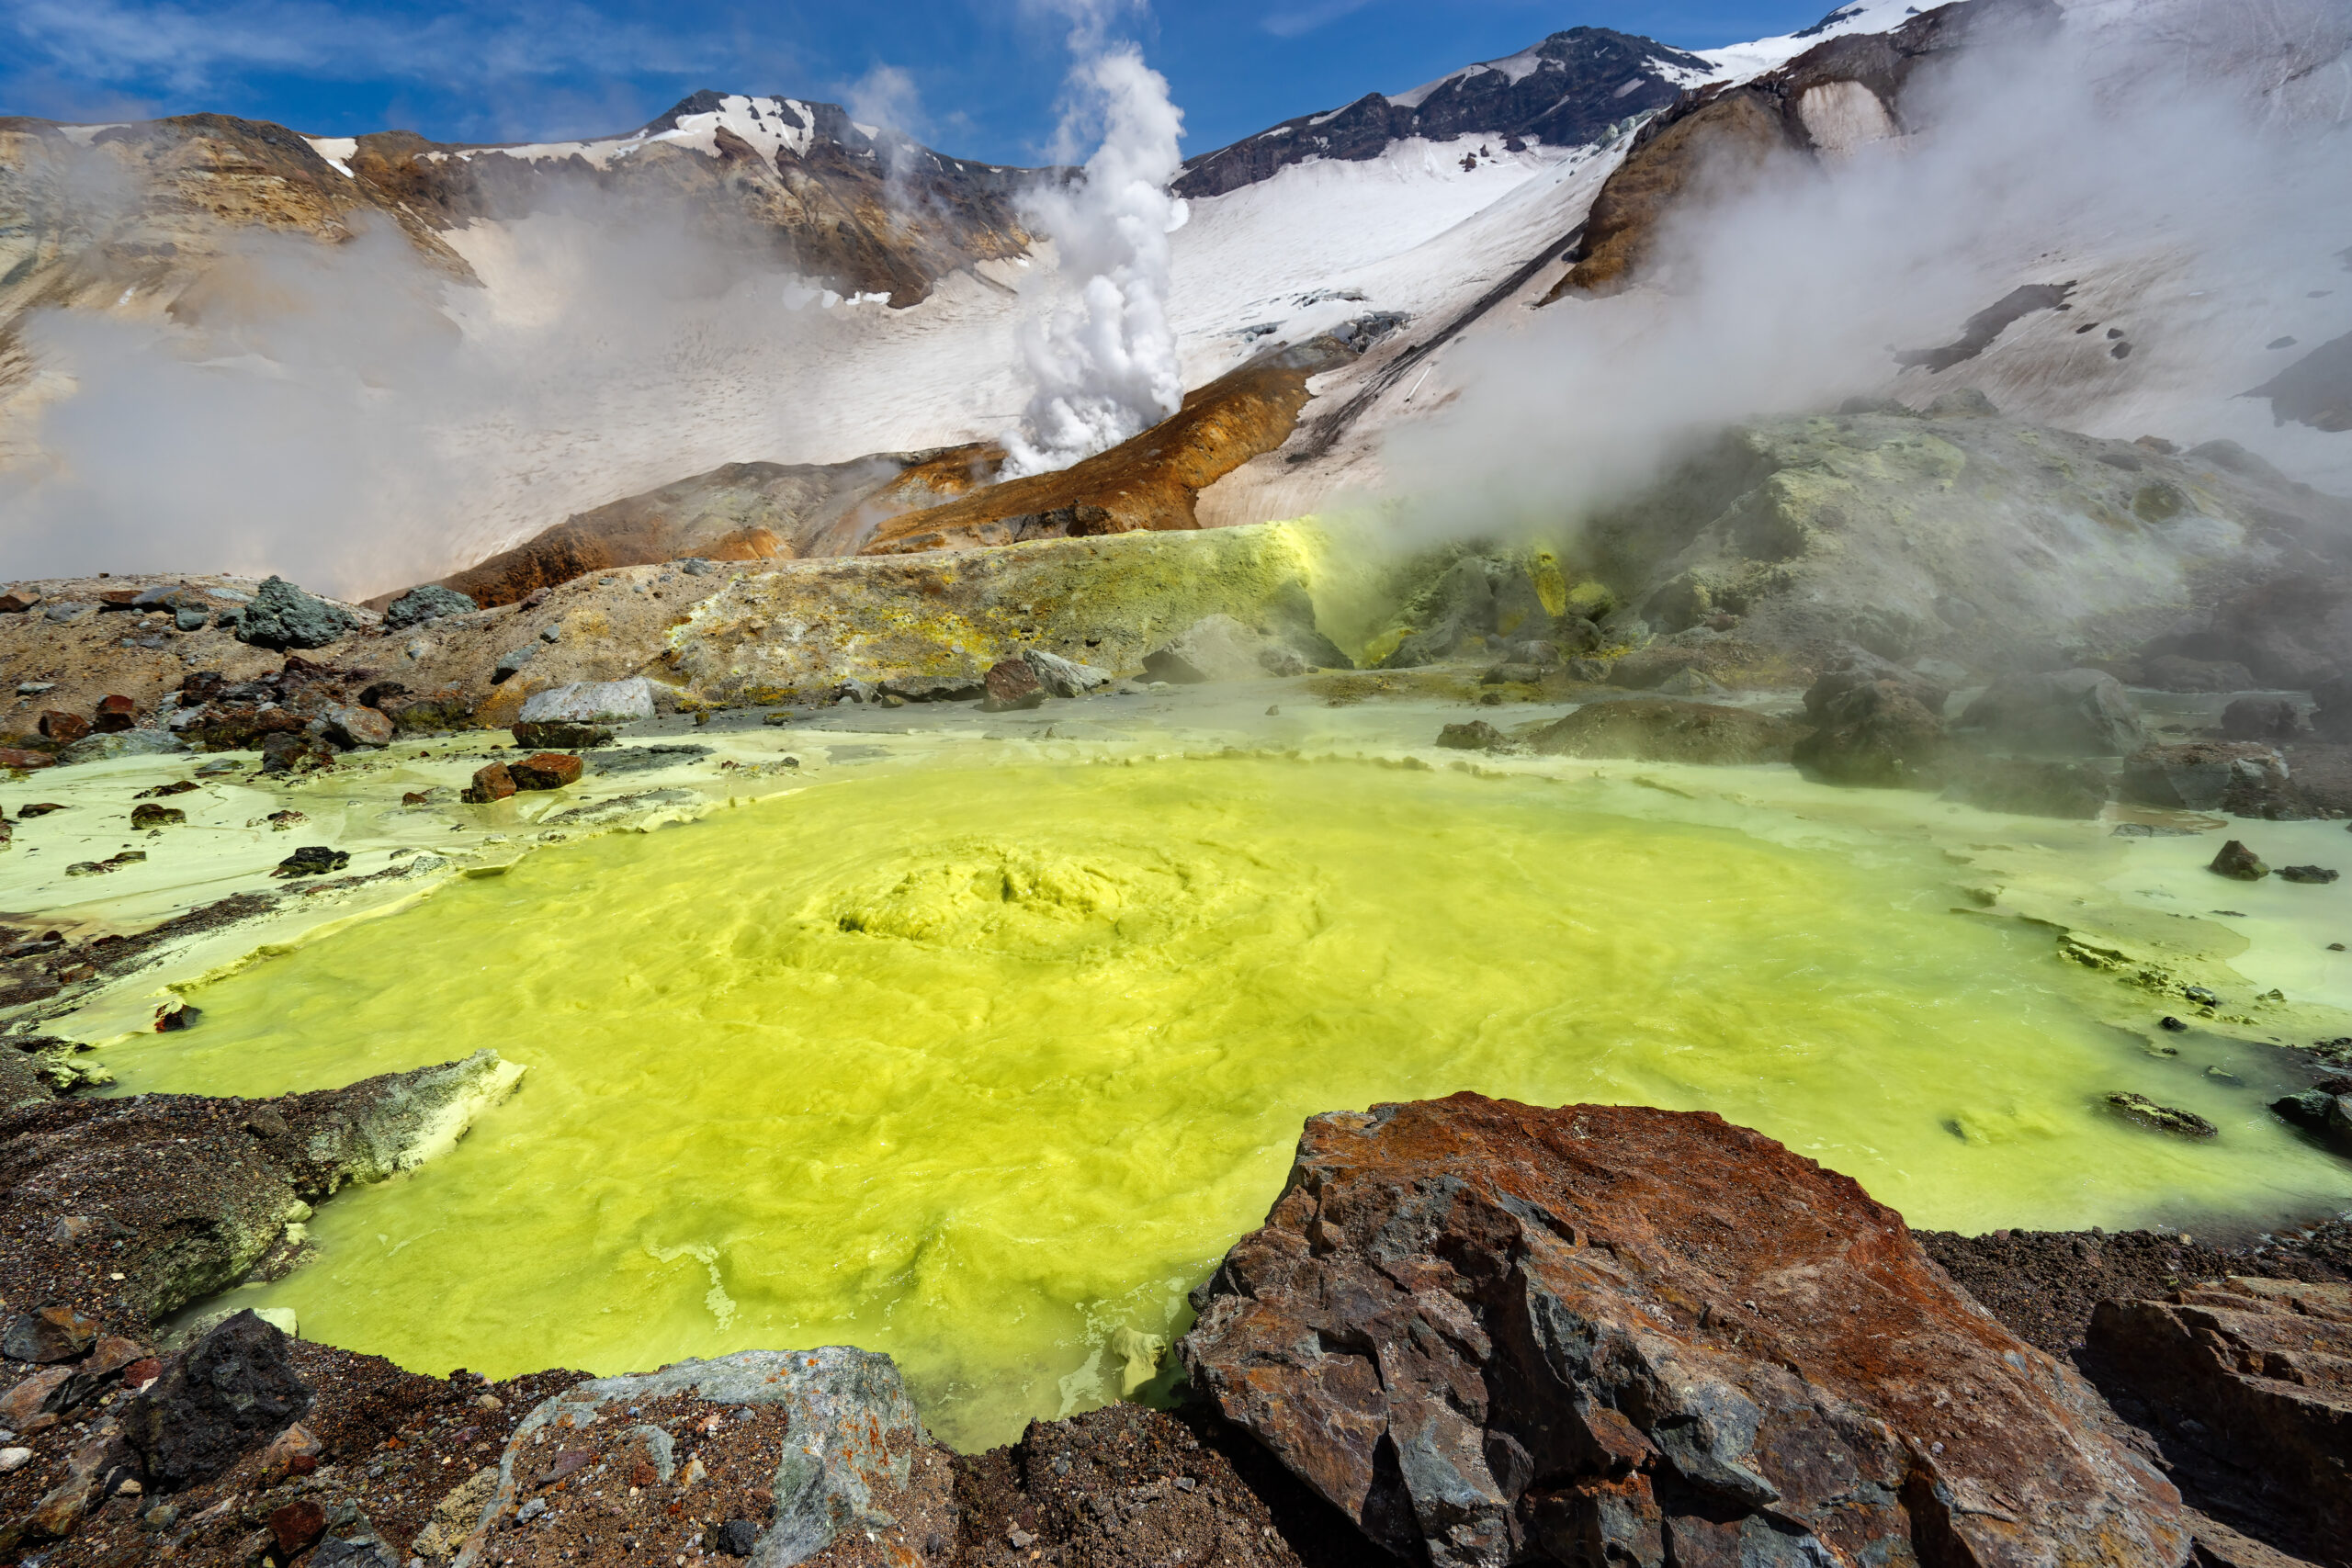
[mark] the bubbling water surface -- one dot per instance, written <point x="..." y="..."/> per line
<point x="981" y="1066"/>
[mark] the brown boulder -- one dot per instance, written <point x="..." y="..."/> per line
<point x="1664" y="729"/>
<point x="114" y="715"/>
<point x="17" y="757"/>
<point x="545" y="770"/>
<point x="560" y="734"/>
<point x="495" y="782"/>
<point x="1491" y="1333"/>
<point x="444" y="707"/>
<point x="1876" y="732"/>
<point x="64" y="727"/>
<point x="2244" y="778"/>
<point x="1012" y="684"/>
<point x="2247" y="1377"/>
<point x="355" y="727"/>
<point x="50" y="1334"/>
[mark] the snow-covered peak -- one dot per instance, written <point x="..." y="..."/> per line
<point x="1743" y="61"/>
<point x="768" y="125"/>
<point x="1514" y="69"/>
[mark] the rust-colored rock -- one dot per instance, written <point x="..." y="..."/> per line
<point x="114" y="715"/>
<point x="64" y="727"/>
<point x="296" y="1525"/>
<point x="1491" y="1333"/>
<point x="494" y="781"/>
<point x="294" y="1452"/>
<point x="1012" y="684"/>
<point x="48" y="1333"/>
<point x="2249" y="1376"/>
<point x="17" y="757"/>
<point x="544" y="769"/>
<point x="16" y="602"/>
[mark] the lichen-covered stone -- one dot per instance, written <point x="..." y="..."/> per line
<point x="282" y="615"/>
<point x="427" y="602"/>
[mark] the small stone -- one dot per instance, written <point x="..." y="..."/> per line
<point x="150" y="815"/>
<point x="2239" y="864"/>
<point x="114" y="715"/>
<point x="2202" y="996"/>
<point x="1475" y="736"/>
<point x="173" y="1017"/>
<point x="736" y="1537"/>
<point x="1012" y="683"/>
<point x="532" y="1510"/>
<point x="1022" y="1540"/>
<point x="552" y="632"/>
<point x="490" y="1401"/>
<point x="1275" y="711"/>
<point x="545" y="770"/>
<point x="564" y="735"/>
<point x="358" y="728"/>
<point x="2307" y="873"/>
<point x="2172" y="1023"/>
<point x="312" y="859"/>
<point x="490" y="782"/>
<point x="2163" y="1118"/>
<point x="14" y="1458"/>
<point x="510" y="663"/>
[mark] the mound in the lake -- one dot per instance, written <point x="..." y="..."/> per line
<point x="1665" y="731"/>
<point x="1491" y="1333"/>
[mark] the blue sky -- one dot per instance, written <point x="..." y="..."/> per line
<point x="973" y="77"/>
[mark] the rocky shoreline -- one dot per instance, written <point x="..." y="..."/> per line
<point x="1690" y="1260"/>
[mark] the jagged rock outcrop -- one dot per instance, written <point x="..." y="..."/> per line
<point x="1997" y="543"/>
<point x="1664" y="729"/>
<point x="827" y="1436"/>
<point x="1829" y="100"/>
<point x="1566" y="91"/>
<point x="188" y="1195"/>
<point x="1492" y="1334"/>
<point x="2248" y="1380"/>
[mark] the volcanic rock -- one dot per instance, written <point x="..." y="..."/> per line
<point x="2326" y="1110"/>
<point x="1664" y="729"/>
<point x="2024" y="787"/>
<point x="313" y="860"/>
<point x="150" y="815"/>
<point x="355" y="727"/>
<point x="2261" y="719"/>
<point x="1489" y="1333"/>
<point x="2255" y="1377"/>
<point x="592" y="702"/>
<point x="127" y="743"/>
<point x="2200" y="775"/>
<point x="1875" y="732"/>
<point x="443" y="708"/>
<point x="545" y="770"/>
<point x="2163" y="1118"/>
<point x="39" y="1394"/>
<point x="1851" y="668"/>
<point x="511" y="663"/>
<point x="425" y="603"/>
<point x="232" y="1391"/>
<point x="859" y="1466"/>
<point x="49" y="1334"/>
<point x="557" y="734"/>
<point x="114" y="713"/>
<point x="2238" y="863"/>
<point x="1475" y="736"/>
<point x="2318" y="875"/>
<point x="1065" y="677"/>
<point x="1215" y="648"/>
<point x="16" y="756"/>
<point x="492" y="781"/>
<point x="1012" y="684"/>
<point x="282" y="617"/>
<point x="2080" y="711"/>
<point x="62" y="728"/>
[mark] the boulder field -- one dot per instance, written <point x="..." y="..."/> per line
<point x="1470" y="1331"/>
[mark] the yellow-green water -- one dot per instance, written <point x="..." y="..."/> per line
<point x="979" y="1066"/>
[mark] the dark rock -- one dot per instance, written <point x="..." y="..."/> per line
<point x="736" y="1537"/>
<point x="2326" y="1111"/>
<point x="2082" y="711"/>
<point x="2309" y="873"/>
<point x="545" y="770"/>
<point x="295" y="1525"/>
<point x="555" y="734"/>
<point x="1471" y="1326"/>
<point x="444" y="707"/>
<point x="232" y="1391"/>
<point x="2261" y="719"/>
<point x="2025" y="787"/>
<point x="1475" y="736"/>
<point x="1012" y="684"/>
<point x="294" y="751"/>
<point x="1875" y="732"/>
<point x="1512" y="674"/>
<point x="2256" y="1375"/>
<point x="2206" y="775"/>
<point x="494" y="781"/>
<point x="1592" y="672"/>
<point x="1852" y="668"/>
<point x="2172" y="1025"/>
<point x="48" y="1333"/>
<point x="2163" y="1118"/>
<point x="2177" y="672"/>
<point x="150" y="815"/>
<point x="933" y="689"/>
<point x="511" y="663"/>
<point x="62" y="728"/>
<point x="427" y="602"/>
<point x="313" y="860"/>
<point x="2238" y="863"/>
<point x="282" y="617"/>
<point x="43" y="1394"/>
<point x="114" y="715"/>
<point x="1664" y="729"/>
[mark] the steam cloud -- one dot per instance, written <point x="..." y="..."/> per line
<point x="2202" y="209"/>
<point x="1104" y="368"/>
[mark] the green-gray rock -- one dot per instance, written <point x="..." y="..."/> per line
<point x="283" y="616"/>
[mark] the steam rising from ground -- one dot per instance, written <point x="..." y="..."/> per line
<point x="1103" y="366"/>
<point x="2195" y="212"/>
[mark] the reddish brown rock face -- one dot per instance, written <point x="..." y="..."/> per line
<point x="545" y="770"/>
<point x="64" y="727"/>
<point x="1496" y="1334"/>
<point x="114" y="713"/>
<point x="17" y="757"/>
<point x="492" y="783"/>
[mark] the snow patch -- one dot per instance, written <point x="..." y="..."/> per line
<point x="337" y="150"/>
<point x="1744" y="62"/>
<point x="80" y="135"/>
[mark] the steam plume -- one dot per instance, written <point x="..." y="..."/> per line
<point x="1104" y="368"/>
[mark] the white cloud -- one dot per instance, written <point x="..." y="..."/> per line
<point x="1292" y="21"/>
